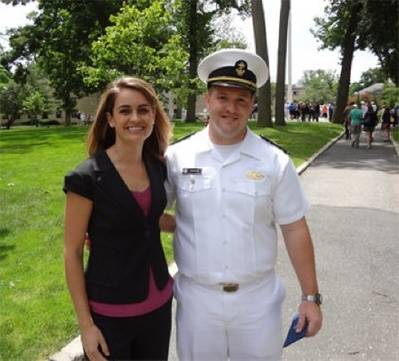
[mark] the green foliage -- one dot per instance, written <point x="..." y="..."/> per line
<point x="369" y="77"/>
<point x="328" y="29"/>
<point x="320" y="86"/>
<point x="35" y="104"/>
<point x="380" y="26"/>
<point x="4" y="77"/>
<point x="390" y="94"/>
<point x="11" y="99"/>
<point x="141" y="43"/>
<point x="376" y="29"/>
<point x="59" y="39"/>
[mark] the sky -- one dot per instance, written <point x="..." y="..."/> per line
<point x="305" y="53"/>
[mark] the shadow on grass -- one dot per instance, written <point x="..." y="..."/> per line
<point x="5" y="248"/>
<point x="20" y="141"/>
<point x="20" y="148"/>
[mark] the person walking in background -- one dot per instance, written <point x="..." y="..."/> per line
<point x="117" y="196"/>
<point x="316" y="112"/>
<point x="370" y="121"/>
<point x="330" y="111"/>
<point x="347" y="121"/>
<point x="386" y="123"/>
<point x="232" y="188"/>
<point x="324" y="110"/>
<point x="356" y="118"/>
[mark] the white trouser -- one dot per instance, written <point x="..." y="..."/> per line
<point x="214" y="325"/>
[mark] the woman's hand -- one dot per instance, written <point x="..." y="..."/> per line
<point x="94" y="343"/>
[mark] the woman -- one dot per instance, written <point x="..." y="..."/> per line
<point x="370" y="121"/>
<point x="386" y="123"/>
<point x="123" y="300"/>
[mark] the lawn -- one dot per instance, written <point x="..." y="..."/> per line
<point x="36" y="316"/>
<point x="395" y="134"/>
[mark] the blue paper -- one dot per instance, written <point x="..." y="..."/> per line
<point x="292" y="335"/>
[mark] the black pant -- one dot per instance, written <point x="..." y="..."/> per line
<point x="137" y="338"/>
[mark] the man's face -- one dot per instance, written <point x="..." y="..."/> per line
<point x="229" y="110"/>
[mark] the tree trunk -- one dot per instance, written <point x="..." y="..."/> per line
<point x="67" y="117"/>
<point x="10" y="122"/>
<point x="192" y="61"/>
<point x="347" y="50"/>
<point x="264" y="95"/>
<point x="281" y="61"/>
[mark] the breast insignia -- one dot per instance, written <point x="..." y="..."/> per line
<point x="254" y="175"/>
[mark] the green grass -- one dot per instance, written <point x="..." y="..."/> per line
<point x="395" y="134"/>
<point x="36" y="315"/>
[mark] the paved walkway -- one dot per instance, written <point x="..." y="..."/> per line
<point x="355" y="227"/>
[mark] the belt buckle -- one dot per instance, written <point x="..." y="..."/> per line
<point x="230" y="287"/>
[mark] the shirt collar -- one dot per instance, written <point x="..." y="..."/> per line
<point x="248" y="147"/>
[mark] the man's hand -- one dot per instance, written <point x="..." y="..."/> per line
<point x="310" y="312"/>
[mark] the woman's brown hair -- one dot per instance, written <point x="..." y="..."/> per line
<point x="102" y="136"/>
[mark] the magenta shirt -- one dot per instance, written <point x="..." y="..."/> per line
<point x="155" y="299"/>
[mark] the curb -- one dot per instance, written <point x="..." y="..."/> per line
<point x="307" y="163"/>
<point x="73" y="351"/>
<point x="395" y="146"/>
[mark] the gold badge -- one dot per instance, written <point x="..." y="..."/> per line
<point x="255" y="175"/>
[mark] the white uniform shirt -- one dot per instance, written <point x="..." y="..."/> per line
<point x="226" y="209"/>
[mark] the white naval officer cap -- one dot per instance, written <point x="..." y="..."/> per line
<point x="234" y="68"/>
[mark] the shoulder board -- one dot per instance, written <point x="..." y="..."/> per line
<point x="184" y="138"/>
<point x="275" y="144"/>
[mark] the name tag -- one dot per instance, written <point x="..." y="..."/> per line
<point x="188" y="171"/>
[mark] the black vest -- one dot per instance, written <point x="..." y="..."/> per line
<point x="124" y="243"/>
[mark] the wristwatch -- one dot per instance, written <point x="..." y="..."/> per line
<point x="316" y="298"/>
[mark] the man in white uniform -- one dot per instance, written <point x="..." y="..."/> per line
<point x="232" y="188"/>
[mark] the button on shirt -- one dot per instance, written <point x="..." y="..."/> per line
<point x="227" y="208"/>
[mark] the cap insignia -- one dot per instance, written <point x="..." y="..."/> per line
<point x="241" y="67"/>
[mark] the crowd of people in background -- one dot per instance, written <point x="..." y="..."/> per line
<point x="309" y="111"/>
<point x="365" y="116"/>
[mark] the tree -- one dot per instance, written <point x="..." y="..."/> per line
<point x="34" y="105"/>
<point x="390" y="94"/>
<point x="140" y="42"/>
<point x="341" y="14"/>
<point x="4" y="77"/>
<point x="226" y="34"/>
<point x="264" y="95"/>
<point x="59" y="40"/>
<point x="11" y="98"/>
<point x="282" y="60"/>
<point x="379" y="26"/>
<point x="194" y="24"/>
<point x="368" y="24"/>
<point x="320" y="86"/>
<point x="369" y="77"/>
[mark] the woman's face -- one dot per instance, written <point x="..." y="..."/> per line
<point x="132" y="117"/>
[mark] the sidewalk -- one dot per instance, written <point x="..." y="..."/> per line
<point x="355" y="225"/>
<point x="354" y="222"/>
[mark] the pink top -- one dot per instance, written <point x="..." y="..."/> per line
<point x="155" y="299"/>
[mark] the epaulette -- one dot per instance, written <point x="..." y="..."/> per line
<point x="275" y="144"/>
<point x="184" y="138"/>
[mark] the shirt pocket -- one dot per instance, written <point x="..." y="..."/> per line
<point x="252" y="198"/>
<point x="193" y="196"/>
<point x="193" y="183"/>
